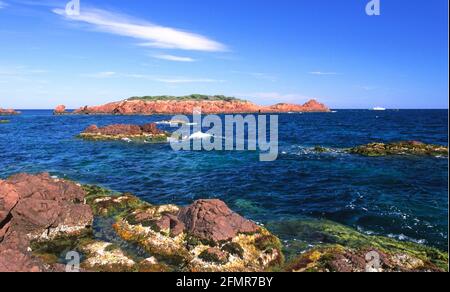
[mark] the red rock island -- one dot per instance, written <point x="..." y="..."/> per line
<point x="171" y="105"/>
<point x="8" y="112"/>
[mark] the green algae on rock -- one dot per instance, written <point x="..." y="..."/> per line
<point x="161" y="232"/>
<point x="163" y="235"/>
<point x="148" y="133"/>
<point x="4" y="121"/>
<point x="400" y="148"/>
<point x="337" y="248"/>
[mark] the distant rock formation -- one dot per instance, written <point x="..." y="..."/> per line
<point x="185" y="105"/>
<point x="8" y="112"/>
<point x="60" y="110"/>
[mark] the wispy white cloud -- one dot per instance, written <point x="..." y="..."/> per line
<point x="323" y="73"/>
<point x="151" y="34"/>
<point x="187" y="80"/>
<point x="18" y="71"/>
<point x="153" y="78"/>
<point x="3" y="4"/>
<point x="101" y="75"/>
<point x="174" y="58"/>
<point x="366" y="87"/>
<point x="173" y="80"/>
<point x="258" y="75"/>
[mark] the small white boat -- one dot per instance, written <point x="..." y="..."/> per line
<point x="379" y="108"/>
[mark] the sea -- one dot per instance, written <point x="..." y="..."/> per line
<point x="402" y="197"/>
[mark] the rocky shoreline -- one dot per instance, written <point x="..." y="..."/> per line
<point x="400" y="148"/>
<point x="153" y="106"/>
<point x="42" y="218"/>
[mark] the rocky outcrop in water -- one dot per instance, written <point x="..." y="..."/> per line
<point x="60" y="110"/>
<point x="400" y="148"/>
<point x="338" y="248"/>
<point x="145" y="133"/>
<point x="186" y="106"/>
<point x="8" y="112"/>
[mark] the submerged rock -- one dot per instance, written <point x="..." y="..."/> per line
<point x="129" y="133"/>
<point x="4" y="121"/>
<point x="400" y="148"/>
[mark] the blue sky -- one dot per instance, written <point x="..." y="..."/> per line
<point x="266" y="51"/>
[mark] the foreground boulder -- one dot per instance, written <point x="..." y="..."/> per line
<point x="38" y="208"/>
<point x="400" y="148"/>
<point x="130" y="133"/>
<point x="213" y="220"/>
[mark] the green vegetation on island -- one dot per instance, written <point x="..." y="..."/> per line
<point x="192" y="97"/>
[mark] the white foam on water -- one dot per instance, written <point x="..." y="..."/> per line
<point x="403" y="237"/>
<point x="199" y="136"/>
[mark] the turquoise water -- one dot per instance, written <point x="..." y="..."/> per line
<point x="401" y="197"/>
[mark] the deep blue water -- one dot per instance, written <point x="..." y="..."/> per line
<point x="402" y="197"/>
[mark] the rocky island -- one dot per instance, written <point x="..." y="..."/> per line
<point x="172" y="105"/>
<point x="42" y="218"/>
<point x="400" y="148"/>
<point x="148" y="133"/>
<point x="8" y="112"/>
